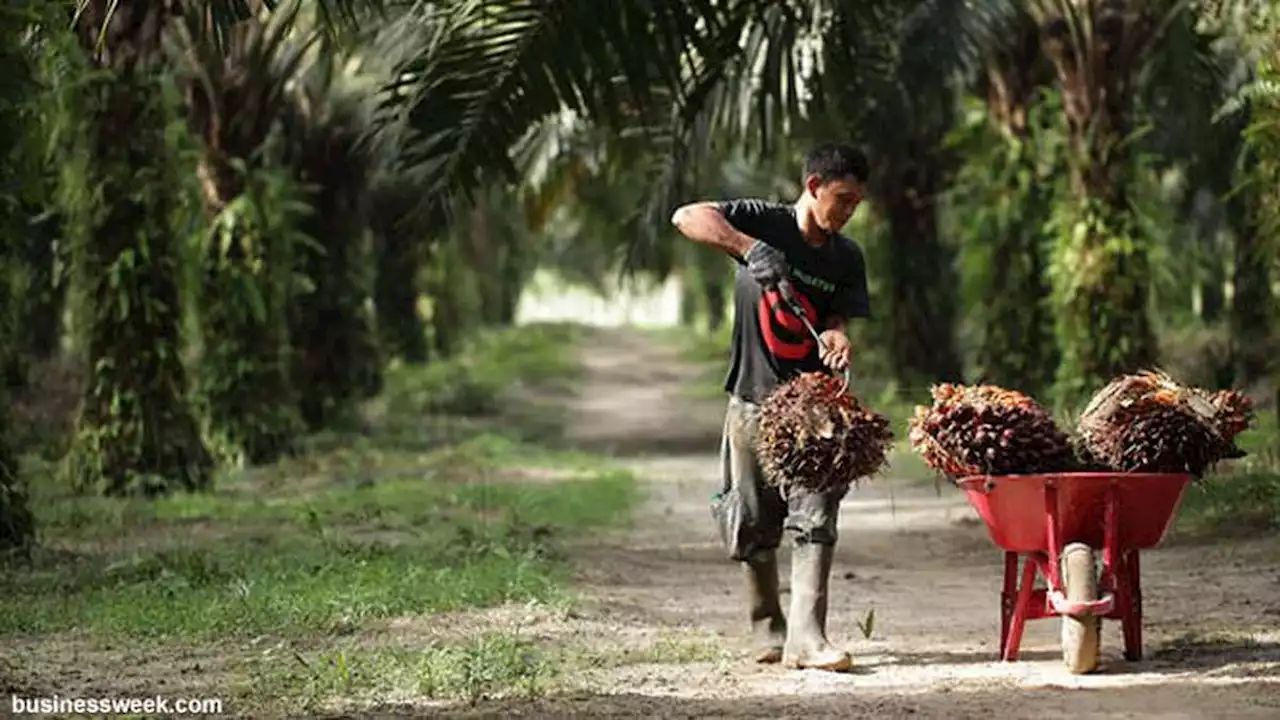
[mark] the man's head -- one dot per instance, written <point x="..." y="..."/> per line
<point x="834" y="180"/>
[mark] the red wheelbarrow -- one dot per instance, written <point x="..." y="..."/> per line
<point x="1056" y="525"/>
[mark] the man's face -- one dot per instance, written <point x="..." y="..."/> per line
<point x="834" y="201"/>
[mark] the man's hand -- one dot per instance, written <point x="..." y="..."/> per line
<point x="835" y="350"/>
<point x="766" y="264"/>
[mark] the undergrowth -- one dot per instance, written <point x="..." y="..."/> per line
<point x="439" y="499"/>
<point x="1244" y="498"/>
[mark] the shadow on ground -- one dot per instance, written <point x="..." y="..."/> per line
<point x="1159" y="700"/>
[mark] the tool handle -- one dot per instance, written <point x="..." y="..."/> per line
<point x="788" y="293"/>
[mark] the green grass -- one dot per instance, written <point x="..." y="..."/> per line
<point x="511" y="663"/>
<point x="471" y="385"/>
<point x="1245" y="498"/>
<point x="440" y="500"/>
<point x="243" y="564"/>
<point x="1232" y="505"/>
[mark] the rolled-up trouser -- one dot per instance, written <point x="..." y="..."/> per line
<point x="751" y="514"/>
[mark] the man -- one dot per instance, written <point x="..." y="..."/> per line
<point x="785" y="251"/>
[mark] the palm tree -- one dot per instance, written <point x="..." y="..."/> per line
<point x="479" y="80"/>
<point x="135" y="432"/>
<point x="1245" y="137"/>
<point x="1102" y="285"/>
<point x="16" y="91"/>
<point x="915" y="99"/>
<point x="337" y="359"/>
<point x="401" y="250"/>
<point x="482" y="74"/>
<point x="234" y="91"/>
<point x="1262" y="253"/>
<point x="1004" y="196"/>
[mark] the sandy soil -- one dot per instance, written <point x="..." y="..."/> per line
<point x="913" y="552"/>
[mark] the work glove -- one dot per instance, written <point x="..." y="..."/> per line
<point x="767" y="264"/>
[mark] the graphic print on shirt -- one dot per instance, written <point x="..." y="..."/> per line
<point x="778" y="322"/>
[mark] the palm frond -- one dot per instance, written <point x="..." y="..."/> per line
<point x="1188" y="83"/>
<point x="236" y="78"/>
<point x="486" y="72"/>
<point x="331" y="130"/>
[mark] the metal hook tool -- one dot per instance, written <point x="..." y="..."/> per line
<point x="789" y="296"/>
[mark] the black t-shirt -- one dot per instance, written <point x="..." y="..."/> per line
<point x="770" y="343"/>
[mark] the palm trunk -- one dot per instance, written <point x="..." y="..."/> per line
<point x="1208" y="296"/>
<point x="514" y="275"/>
<point x="401" y="327"/>
<point x="244" y="379"/>
<point x="26" y="192"/>
<point x="712" y="292"/>
<point x="923" y="282"/>
<point x="483" y="258"/>
<point x="337" y="359"/>
<point x="135" y="432"/>
<point x="16" y="525"/>
<point x="449" y="319"/>
<point x="690" y="298"/>
<point x="1018" y="348"/>
<point x="30" y="246"/>
<point x="716" y="292"/>
<point x="46" y="296"/>
<point x="516" y="264"/>
<point x="495" y="257"/>
<point x="1251" y="312"/>
<point x="1102" y="278"/>
<point x="15" y="520"/>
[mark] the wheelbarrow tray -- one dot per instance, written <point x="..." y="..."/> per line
<point x="1015" y="512"/>
<point x="1035" y="518"/>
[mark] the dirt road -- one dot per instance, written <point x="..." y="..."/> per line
<point x="916" y="555"/>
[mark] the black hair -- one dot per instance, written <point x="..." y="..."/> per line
<point x="832" y="161"/>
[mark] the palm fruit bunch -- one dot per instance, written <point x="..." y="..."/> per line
<point x="815" y="434"/>
<point x="985" y="429"/>
<point x="1148" y="422"/>
<point x="1235" y="413"/>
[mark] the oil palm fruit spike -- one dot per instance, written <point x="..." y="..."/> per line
<point x="1236" y="413"/>
<point x="931" y="441"/>
<point x="1148" y="422"/>
<point x="1085" y="459"/>
<point x="986" y="429"/>
<point x="1165" y="439"/>
<point x="815" y="434"/>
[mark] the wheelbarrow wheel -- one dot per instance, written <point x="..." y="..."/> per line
<point x="1081" y="636"/>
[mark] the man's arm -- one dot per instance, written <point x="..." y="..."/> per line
<point x="703" y="222"/>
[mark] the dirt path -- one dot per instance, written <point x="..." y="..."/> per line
<point x="916" y="555"/>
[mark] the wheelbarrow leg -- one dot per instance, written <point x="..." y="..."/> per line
<point x="1021" y="609"/>
<point x="1007" y="597"/>
<point x="1131" y="572"/>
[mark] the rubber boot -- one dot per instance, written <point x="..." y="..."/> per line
<point x="807" y="645"/>
<point x="768" y="625"/>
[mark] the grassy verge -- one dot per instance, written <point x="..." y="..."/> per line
<point x="441" y="501"/>
<point x="1243" y="500"/>
<point x="516" y="661"/>
<point x="708" y="350"/>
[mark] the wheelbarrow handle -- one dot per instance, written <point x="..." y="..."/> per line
<point x="789" y="296"/>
